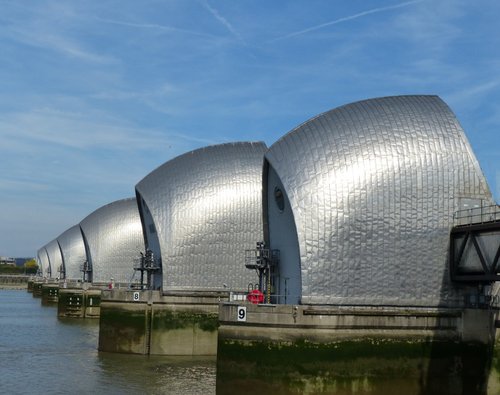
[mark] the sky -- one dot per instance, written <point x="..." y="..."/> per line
<point x="96" y="94"/>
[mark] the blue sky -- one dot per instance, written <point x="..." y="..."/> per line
<point x="96" y="94"/>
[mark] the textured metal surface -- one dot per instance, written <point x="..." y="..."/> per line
<point x="373" y="186"/>
<point x="73" y="252"/>
<point x="113" y="237"/>
<point x="55" y="258"/>
<point x="43" y="262"/>
<point x="207" y="209"/>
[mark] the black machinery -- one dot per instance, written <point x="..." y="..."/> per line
<point x="148" y="265"/>
<point x="265" y="262"/>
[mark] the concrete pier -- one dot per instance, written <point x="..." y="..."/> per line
<point x="146" y="322"/>
<point x="79" y="302"/>
<point x="31" y="281"/>
<point x="13" y="281"/>
<point x="347" y="350"/>
<point x="37" y="289"/>
<point x="50" y="293"/>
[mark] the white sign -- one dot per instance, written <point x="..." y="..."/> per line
<point x="136" y="296"/>
<point x="242" y="313"/>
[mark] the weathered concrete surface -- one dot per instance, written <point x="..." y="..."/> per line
<point x="79" y="302"/>
<point x="50" y="293"/>
<point x="37" y="288"/>
<point x="346" y="350"/>
<point x="14" y="281"/>
<point x="146" y="322"/>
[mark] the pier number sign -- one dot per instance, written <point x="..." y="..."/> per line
<point x="136" y="296"/>
<point x="242" y="313"/>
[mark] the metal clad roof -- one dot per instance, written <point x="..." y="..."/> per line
<point x="55" y="258"/>
<point x="73" y="252"/>
<point x="206" y="206"/>
<point x="114" y="237"/>
<point x="373" y="186"/>
<point x="43" y="261"/>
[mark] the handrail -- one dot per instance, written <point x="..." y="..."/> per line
<point x="477" y="215"/>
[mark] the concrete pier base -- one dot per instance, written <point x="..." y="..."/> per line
<point x="30" y="285"/>
<point x="50" y="293"/>
<point x="345" y="350"/>
<point x="37" y="289"/>
<point x="79" y="302"/>
<point x="146" y="322"/>
<point x="13" y="281"/>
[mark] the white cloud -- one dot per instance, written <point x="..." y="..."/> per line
<point x="216" y="14"/>
<point x="47" y="35"/>
<point x="154" y="26"/>
<point x="82" y="130"/>
<point x="347" y="18"/>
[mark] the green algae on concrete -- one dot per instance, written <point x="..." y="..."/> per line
<point x="79" y="303"/>
<point x="368" y="366"/>
<point x="50" y="293"/>
<point x="37" y="289"/>
<point x="70" y="304"/>
<point x="167" y="319"/>
<point x="123" y="329"/>
<point x="176" y="331"/>
<point x="155" y="323"/>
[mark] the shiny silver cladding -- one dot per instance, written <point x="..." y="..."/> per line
<point x="373" y="186"/>
<point x="113" y="238"/>
<point x="73" y="252"/>
<point x="206" y="206"/>
<point x="55" y="258"/>
<point x="43" y="262"/>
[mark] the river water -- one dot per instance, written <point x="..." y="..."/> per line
<point x="40" y="353"/>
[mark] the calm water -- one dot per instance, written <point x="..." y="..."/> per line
<point x="40" y="353"/>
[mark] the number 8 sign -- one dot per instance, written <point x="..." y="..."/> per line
<point x="242" y="313"/>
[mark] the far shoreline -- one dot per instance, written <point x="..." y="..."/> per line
<point x="13" y="286"/>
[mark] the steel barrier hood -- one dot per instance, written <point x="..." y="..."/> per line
<point x="373" y="186"/>
<point x="55" y="258"/>
<point x="204" y="209"/>
<point x="113" y="240"/>
<point x="73" y="252"/>
<point x="43" y="262"/>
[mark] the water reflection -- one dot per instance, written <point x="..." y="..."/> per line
<point x="42" y="354"/>
<point x="158" y="375"/>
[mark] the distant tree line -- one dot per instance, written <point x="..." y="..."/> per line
<point x="29" y="267"/>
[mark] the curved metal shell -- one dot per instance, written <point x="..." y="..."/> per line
<point x="43" y="262"/>
<point x="201" y="211"/>
<point x="113" y="239"/>
<point x="55" y="258"/>
<point x="73" y="252"/>
<point x="372" y="187"/>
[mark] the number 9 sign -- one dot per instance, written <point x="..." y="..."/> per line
<point x="242" y="313"/>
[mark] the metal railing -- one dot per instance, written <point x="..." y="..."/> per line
<point x="477" y="215"/>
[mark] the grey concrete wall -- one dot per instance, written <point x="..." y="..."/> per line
<point x="314" y="323"/>
<point x="78" y="302"/>
<point x="331" y="349"/>
<point x="147" y="322"/>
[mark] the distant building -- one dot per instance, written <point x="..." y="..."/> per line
<point x="7" y="261"/>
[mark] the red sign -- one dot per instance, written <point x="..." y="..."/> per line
<point x="255" y="296"/>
